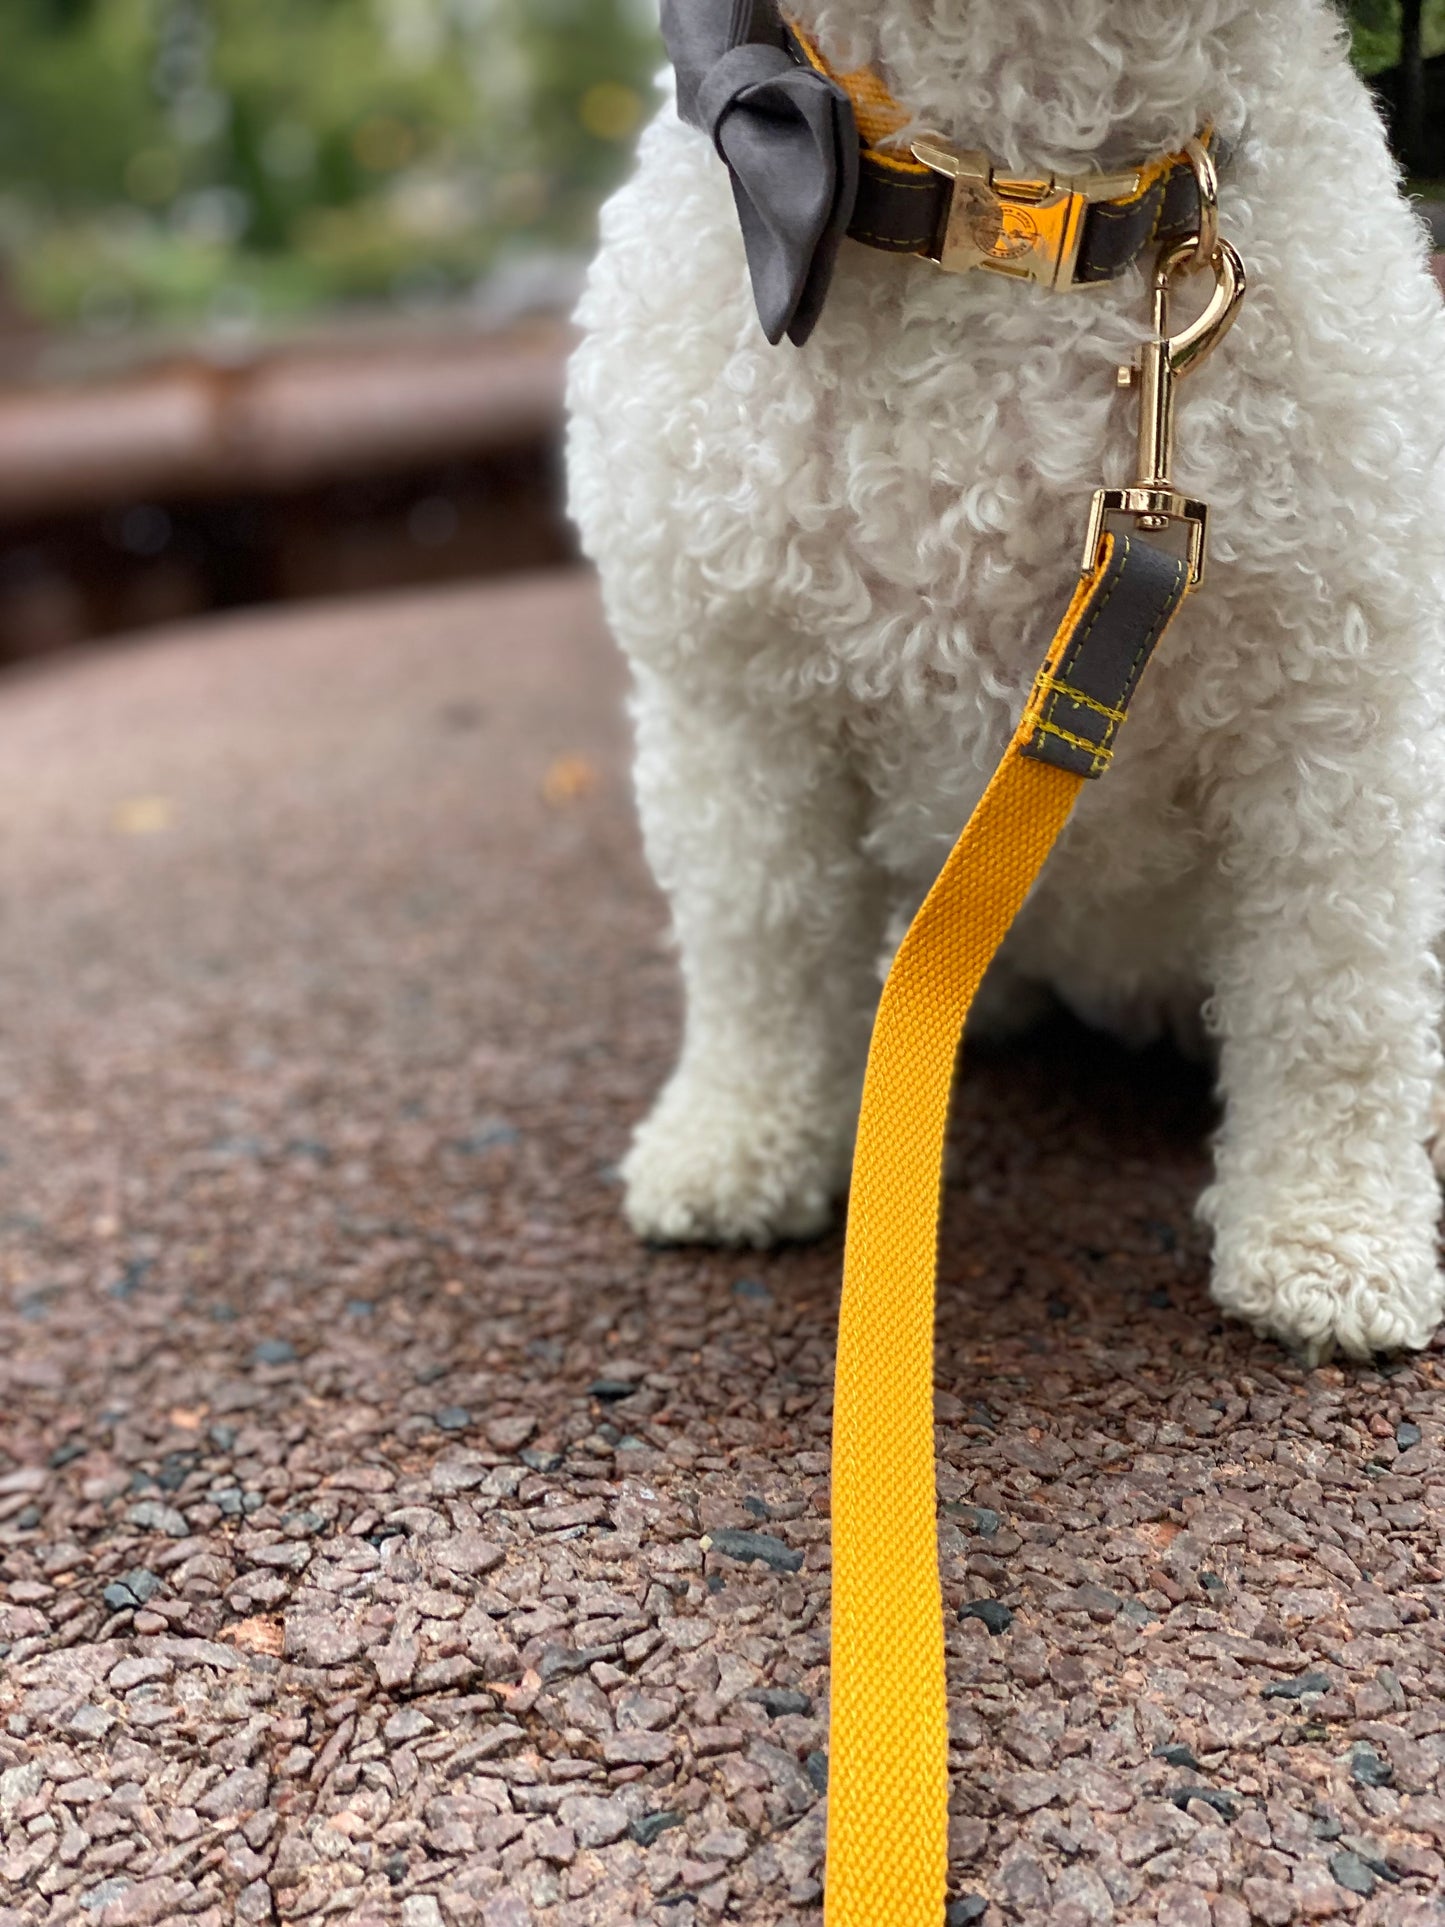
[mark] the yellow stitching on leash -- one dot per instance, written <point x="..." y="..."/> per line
<point x="1078" y="696"/>
<point x="1100" y="750"/>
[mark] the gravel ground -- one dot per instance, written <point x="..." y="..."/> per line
<point x="385" y="1537"/>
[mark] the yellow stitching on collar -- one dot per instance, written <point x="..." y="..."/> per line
<point x="880" y="118"/>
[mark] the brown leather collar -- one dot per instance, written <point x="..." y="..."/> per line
<point x="1047" y="230"/>
<point x="955" y="208"/>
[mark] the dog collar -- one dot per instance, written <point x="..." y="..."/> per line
<point x="813" y="156"/>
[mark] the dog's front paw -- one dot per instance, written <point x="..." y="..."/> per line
<point x="1321" y="1276"/>
<point x="710" y="1167"/>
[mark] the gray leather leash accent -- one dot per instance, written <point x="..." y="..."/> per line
<point x="1089" y="688"/>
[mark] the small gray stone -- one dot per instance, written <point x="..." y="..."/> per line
<point x="1023" y="1792"/>
<point x="395" y="1662"/>
<point x="20" y="1784"/>
<point x="274" y="1351"/>
<point x="651" y="1825"/>
<point x="777" y="1701"/>
<point x="288" y="1555"/>
<point x="255" y="1902"/>
<point x="318" y="1640"/>
<point x="1226" y="1805"/>
<point x="488" y="1135"/>
<point x="137" y="1671"/>
<point x="1180" y="1905"/>
<point x="243" y="1791"/>
<point x="90" y="1723"/>
<point x="1297" y="1689"/>
<point x="509" y="1434"/>
<point x="596" y="1821"/>
<point x="1136" y="1610"/>
<point x="143" y="1904"/>
<point x="107" y="1891"/>
<point x="1097" y="1601"/>
<point x="1352" y="1873"/>
<point x="506" y="1910"/>
<point x="965" y="1910"/>
<point x="421" y="1910"/>
<point x="723" y="1843"/>
<point x="557" y="1844"/>
<point x="151" y="1516"/>
<point x="467" y="1553"/>
<point x="992" y="1612"/>
<point x="985" y="1522"/>
<point x="407" y="1723"/>
<point x="761" y="1547"/>
<point x="1367" y="1768"/>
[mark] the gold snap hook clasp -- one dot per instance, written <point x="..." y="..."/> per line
<point x="1153" y="501"/>
<point x="1169" y="357"/>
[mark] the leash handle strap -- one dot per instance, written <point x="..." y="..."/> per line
<point x="888" y="1780"/>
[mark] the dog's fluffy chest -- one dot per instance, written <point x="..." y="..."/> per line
<point x="876" y="534"/>
<point x="906" y="499"/>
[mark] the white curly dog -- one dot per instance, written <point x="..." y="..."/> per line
<point x="835" y="569"/>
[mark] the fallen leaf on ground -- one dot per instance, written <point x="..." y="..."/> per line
<point x="567" y="779"/>
<point x="259" y="1635"/>
<point x="143" y="815"/>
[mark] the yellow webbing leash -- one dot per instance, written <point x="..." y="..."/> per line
<point x="887" y="1861"/>
<point x="888" y="1778"/>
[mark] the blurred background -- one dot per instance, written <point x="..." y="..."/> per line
<point x="283" y="285"/>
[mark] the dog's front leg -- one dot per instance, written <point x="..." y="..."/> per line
<point x="1324" y="1205"/>
<point x="752" y="824"/>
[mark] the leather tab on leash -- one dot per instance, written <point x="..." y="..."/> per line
<point x="887" y="1860"/>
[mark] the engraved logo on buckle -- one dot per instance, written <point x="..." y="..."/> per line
<point x="1001" y="232"/>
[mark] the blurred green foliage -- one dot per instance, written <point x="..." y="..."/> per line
<point x="1375" y="25"/>
<point x="178" y="161"/>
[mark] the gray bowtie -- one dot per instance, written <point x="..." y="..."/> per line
<point x="790" y="142"/>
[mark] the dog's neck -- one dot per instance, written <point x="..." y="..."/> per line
<point x="1070" y="83"/>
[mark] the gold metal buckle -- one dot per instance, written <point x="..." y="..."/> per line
<point x="1029" y="229"/>
<point x="1153" y="502"/>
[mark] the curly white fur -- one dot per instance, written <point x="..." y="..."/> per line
<point x="835" y="569"/>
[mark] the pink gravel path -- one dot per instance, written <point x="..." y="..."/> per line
<point x="370" y="1502"/>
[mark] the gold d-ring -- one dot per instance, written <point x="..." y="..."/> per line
<point x="1206" y="178"/>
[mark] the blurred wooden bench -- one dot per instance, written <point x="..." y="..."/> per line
<point x="324" y="468"/>
<point x="320" y="468"/>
